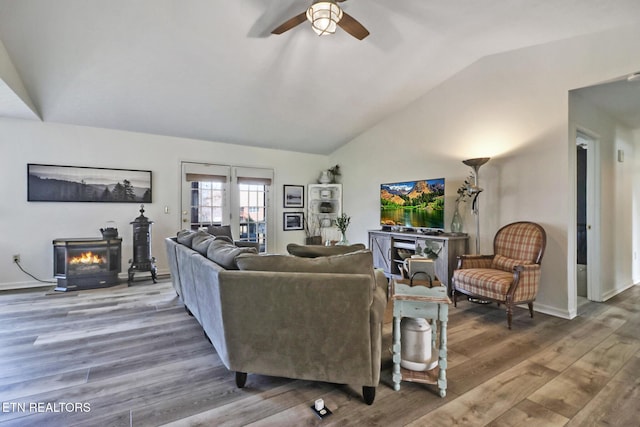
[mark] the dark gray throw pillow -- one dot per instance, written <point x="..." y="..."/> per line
<point x="220" y="230"/>
<point x="201" y="242"/>
<point x="224" y="253"/>
<point x="185" y="237"/>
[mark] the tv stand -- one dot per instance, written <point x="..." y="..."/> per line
<point x="390" y="248"/>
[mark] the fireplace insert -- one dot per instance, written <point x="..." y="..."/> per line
<point x="86" y="263"/>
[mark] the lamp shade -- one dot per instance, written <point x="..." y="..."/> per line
<point x="324" y="17"/>
<point x="477" y="162"/>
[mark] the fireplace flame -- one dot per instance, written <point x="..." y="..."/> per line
<point x="88" y="258"/>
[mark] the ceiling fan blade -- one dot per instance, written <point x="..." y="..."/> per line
<point x="296" y="20"/>
<point x="353" y="27"/>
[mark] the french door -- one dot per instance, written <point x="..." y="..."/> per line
<point x="228" y="195"/>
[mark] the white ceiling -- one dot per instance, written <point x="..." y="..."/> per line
<point x="211" y="70"/>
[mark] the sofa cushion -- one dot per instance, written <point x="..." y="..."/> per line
<point x="506" y="264"/>
<point x="487" y="282"/>
<point x="185" y="237"/>
<point x="313" y="251"/>
<point x="201" y="242"/>
<point x="359" y="262"/>
<point x="224" y="253"/>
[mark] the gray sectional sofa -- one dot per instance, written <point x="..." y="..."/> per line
<point x="284" y="315"/>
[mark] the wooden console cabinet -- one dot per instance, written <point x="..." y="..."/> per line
<point x="386" y="246"/>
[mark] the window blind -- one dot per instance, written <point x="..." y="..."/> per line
<point x="254" y="176"/>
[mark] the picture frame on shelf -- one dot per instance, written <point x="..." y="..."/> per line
<point x="56" y="183"/>
<point x="293" y="221"/>
<point x="293" y="196"/>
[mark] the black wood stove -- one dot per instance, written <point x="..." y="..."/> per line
<point x="142" y="259"/>
<point x="86" y="263"/>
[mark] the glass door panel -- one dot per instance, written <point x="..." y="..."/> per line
<point x="204" y="195"/>
<point x="252" y="218"/>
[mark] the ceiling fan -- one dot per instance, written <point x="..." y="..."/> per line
<point x="325" y="16"/>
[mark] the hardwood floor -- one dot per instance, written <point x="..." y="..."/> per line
<point x="132" y="356"/>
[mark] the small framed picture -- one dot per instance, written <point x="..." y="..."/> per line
<point x="293" y="196"/>
<point x="293" y="221"/>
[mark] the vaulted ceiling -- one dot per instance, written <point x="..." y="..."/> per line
<point x="211" y="70"/>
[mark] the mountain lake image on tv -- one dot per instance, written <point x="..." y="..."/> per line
<point x="414" y="204"/>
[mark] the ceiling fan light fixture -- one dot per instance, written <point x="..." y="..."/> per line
<point x="324" y="17"/>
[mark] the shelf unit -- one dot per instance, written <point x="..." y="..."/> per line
<point x="324" y="206"/>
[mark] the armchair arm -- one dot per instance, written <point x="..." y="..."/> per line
<point x="380" y="297"/>
<point x="381" y="281"/>
<point x="376" y="320"/>
<point x="525" y="282"/>
<point x="474" y="261"/>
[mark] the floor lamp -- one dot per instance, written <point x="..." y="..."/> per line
<point x="474" y="191"/>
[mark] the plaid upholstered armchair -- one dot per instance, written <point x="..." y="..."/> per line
<point x="511" y="275"/>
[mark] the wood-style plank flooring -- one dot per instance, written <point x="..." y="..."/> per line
<point x="131" y="356"/>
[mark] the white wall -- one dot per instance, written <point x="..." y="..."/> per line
<point x="28" y="228"/>
<point x="512" y="107"/>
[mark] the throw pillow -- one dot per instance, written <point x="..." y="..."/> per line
<point x="201" y="242"/>
<point x="185" y="237"/>
<point x="313" y="251"/>
<point x="224" y="253"/>
<point x="506" y="264"/>
<point x="220" y="230"/>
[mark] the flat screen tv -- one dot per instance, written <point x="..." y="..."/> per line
<point x="413" y="204"/>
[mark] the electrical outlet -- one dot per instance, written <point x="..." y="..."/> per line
<point x="16" y="258"/>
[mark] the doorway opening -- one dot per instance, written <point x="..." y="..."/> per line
<point x="588" y="286"/>
<point x="582" y="147"/>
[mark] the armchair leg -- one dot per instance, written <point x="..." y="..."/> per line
<point x="454" y="294"/>
<point x="509" y="315"/>
<point x="530" y="309"/>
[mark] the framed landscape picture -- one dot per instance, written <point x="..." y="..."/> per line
<point x="293" y="221"/>
<point x="293" y="196"/>
<point x="53" y="183"/>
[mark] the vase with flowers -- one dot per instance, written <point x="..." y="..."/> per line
<point x="457" y="223"/>
<point x="342" y="222"/>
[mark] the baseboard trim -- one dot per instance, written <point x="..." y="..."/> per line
<point x="34" y="284"/>
<point x="552" y="311"/>
<point x="612" y="293"/>
<point x="12" y="286"/>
